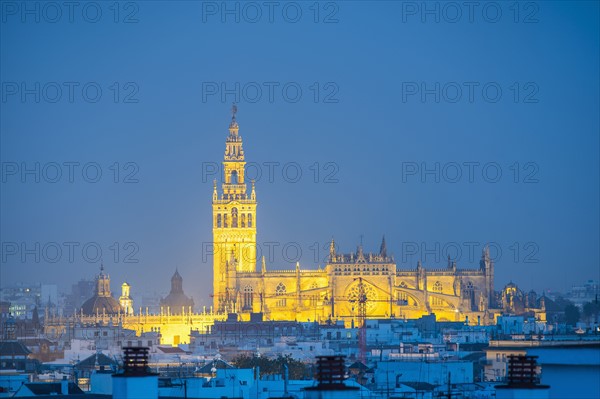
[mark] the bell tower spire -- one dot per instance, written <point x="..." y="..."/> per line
<point x="234" y="217"/>
<point x="233" y="161"/>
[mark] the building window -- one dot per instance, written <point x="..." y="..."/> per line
<point x="280" y="290"/>
<point x="470" y="293"/>
<point x="249" y="220"/>
<point x="314" y="300"/>
<point x="219" y="220"/>
<point x="402" y="298"/>
<point x="437" y="287"/>
<point x="248" y="297"/>
<point x="234" y="217"/>
<point x="234" y="177"/>
<point x="243" y="220"/>
<point x="225" y="222"/>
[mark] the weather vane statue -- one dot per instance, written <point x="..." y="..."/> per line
<point x="233" y="111"/>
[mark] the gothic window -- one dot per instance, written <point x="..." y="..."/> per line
<point x="353" y="295"/>
<point x="402" y="298"/>
<point x="469" y="287"/>
<point x="437" y="287"/>
<point x="219" y="220"/>
<point x="313" y="300"/>
<point x="315" y="296"/>
<point x="225" y="222"/>
<point x="470" y="293"/>
<point x="234" y="217"/>
<point x="248" y="297"/>
<point x="243" y="220"/>
<point x="234" y="177"/>
<point x="249" y="220"/>
<point x="280" y="291"/>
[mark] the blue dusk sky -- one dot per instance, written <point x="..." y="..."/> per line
<point x="443" y="128"/>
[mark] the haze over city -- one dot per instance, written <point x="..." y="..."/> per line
<point x="307" y="200"/>
<point x="399" y="131"/>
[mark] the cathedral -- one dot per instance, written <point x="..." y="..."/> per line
<point x="243" y="286"/>
<point x="351" y="286"/>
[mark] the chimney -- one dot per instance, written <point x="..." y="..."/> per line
<point x="136" y="381"/>
<point x="523" y="380"/>
<point x="331" y="373"/>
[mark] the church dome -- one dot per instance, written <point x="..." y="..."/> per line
<point x="176" y="300"/>
<point x="102" y="302"/>
<point x="101" y="305"/>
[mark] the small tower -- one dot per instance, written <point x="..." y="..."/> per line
<point x="176" y="302"/>
<point x="487" y="266"/>
<point x="332" y="251"/>
<point x="125" y="299"/>
<point x="9" y="329"/>
<point x="383" y="249"/>
<point x="102" y="302"/>
<point x="103" y="283"/>
<point x="421" y="277"/>
<point x="177" y="282"/>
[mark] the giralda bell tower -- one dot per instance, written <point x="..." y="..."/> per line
<point x="234" y="223"/>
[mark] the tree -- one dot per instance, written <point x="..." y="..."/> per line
<point x="572" y="314"/>
<point x="591" y="311"/>
<point x="296" y="369"/>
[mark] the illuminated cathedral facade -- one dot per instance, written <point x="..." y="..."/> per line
<point x="243" y="284"/>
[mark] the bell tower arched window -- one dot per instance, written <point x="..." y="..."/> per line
<point x="219" y="220"/>
<point x="249" y="220"/>
<point x="234" y="217"/>
<point x="243" y="220"/>
<point x="234" y="177"/>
